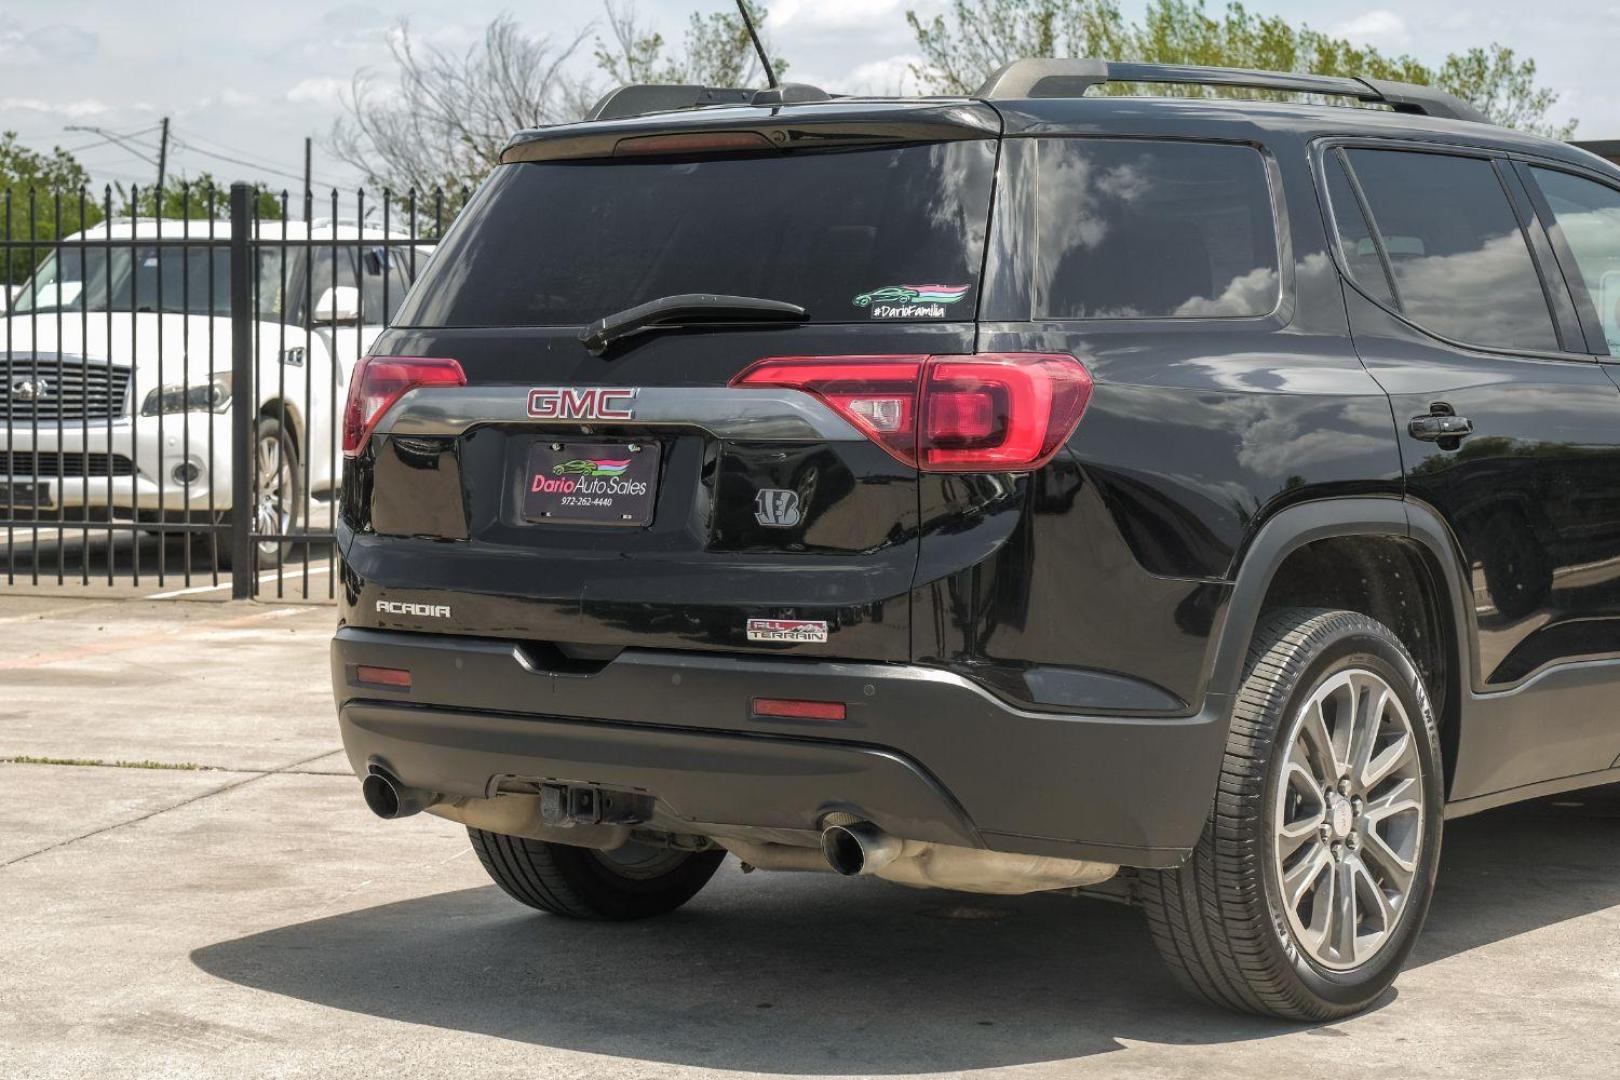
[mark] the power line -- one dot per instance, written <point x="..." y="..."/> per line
<point x="111" y="136"/>
<point x="253" y="156"/>
<point x="189" y="144"/>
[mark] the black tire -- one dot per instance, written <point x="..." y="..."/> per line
<point x="1219" y="920"/>
<point x="289" y="498"/>
<point x="635" y="882"/>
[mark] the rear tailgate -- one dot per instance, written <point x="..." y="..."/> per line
<point x="590" y="502"/>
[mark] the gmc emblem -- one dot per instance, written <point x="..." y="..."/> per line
<point x="582" y="403"/>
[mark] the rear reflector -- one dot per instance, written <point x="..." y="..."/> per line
<point x="799" y="710"/>
<point x="379" y="381"/>
<point x="398" y="678"/>
<point x="989" y="412"/>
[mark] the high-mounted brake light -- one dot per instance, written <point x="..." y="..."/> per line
<point x="987" y="412"/>
<point x="697" y="142"/>
<point x="379" y="381"/>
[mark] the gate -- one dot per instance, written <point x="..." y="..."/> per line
<point x="172" y="387"/>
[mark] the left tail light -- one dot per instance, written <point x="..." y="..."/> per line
<point x="984" y="412"/>
<point x="379" y="381"/>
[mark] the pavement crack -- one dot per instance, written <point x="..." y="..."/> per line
<point x="199" y="797"/>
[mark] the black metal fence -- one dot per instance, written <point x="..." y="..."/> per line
<point x="172" y="388"/>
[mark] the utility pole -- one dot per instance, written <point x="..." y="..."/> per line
<point x="309" y="190"/>
<point x="163" y="163"/>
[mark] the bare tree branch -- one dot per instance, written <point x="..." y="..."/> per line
<point x="444" y="117"/>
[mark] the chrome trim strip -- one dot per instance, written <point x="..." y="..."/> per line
<point x="763" y="414"/>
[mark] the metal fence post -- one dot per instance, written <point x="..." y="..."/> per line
<point x="241" y="393"/>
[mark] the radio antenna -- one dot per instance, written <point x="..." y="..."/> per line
<point x="753" y="35"/>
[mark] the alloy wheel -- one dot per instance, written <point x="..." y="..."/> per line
<point x="272" y="501"/>
<point x="1348" y="819"/>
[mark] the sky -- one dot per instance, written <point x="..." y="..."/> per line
<point x="250" y="81"/>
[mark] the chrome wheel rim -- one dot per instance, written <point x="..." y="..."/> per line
<point x="1348" y="815"/>
<point x="272" y="510"/>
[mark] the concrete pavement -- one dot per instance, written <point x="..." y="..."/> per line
<point x="239" y="913"/>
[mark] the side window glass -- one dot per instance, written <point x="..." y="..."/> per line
<point x="1355" y="237"/>
<point x="1141" y="229"/>
<point x="1461" y="264"/>
<point x="1588" y="214"/>
<point x="329" y="266"/>
<point x="382" y="280"/>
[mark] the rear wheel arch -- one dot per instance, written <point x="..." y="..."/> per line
<point x="287" y="415"/>
<point x="1391" y="559"/>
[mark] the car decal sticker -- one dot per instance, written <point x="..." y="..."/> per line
<point x="591" y="467"/>
<point x="910" y="301"/>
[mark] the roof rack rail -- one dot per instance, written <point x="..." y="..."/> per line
<point x="645" y="98"/>
<point x="1072" y="78"/>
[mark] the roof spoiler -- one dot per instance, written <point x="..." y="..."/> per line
<point x="646" y="98"/>
<point x="1072" y="78"/>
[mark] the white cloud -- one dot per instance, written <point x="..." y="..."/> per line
<point x="74" y="110"/>
<point x="834" y="14"/>
<point x="55" y="44"/>
<point x="891" y="75"/>
<point x="1378" y="27"/>
<point x="320" y="90"/>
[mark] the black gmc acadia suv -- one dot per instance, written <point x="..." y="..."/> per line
<point x="1193" y="499"/>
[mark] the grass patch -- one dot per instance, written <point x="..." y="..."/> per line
<point x="24" y="759"/>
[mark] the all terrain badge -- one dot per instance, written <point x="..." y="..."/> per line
<point x="813" y="631"/>
<point x="910" y="301"/>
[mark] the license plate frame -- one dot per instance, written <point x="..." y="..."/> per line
<point x="25" y="495"/>
<point x="591" y="483"/>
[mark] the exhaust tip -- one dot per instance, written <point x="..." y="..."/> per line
<point x="857" y="849"/>
<point x="381" y="795"/>
<point x="842" y="851"/>
<point x="390" y="799"/>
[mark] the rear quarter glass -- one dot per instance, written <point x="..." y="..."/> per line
<point x="1144" y="229"/>
<point x="884" y="234"/>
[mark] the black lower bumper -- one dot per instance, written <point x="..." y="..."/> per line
<point x="923" y="753"/>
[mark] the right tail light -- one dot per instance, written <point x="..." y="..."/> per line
<point x="985" y="412"/>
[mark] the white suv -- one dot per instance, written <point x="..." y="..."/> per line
<point x="115" y="375"/>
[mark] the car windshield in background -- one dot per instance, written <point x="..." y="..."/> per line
<point x="1133" y="229"/>
<point x="850" y="235"/>
<point x="195" y="280"/>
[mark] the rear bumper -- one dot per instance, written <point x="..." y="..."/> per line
<point x="925" y="754"/>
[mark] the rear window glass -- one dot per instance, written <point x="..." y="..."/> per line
<point x="1136" y="229"/>
<point x="1355" y="235"/>
<point x="852" y="236"/>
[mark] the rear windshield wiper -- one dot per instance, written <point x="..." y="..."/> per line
<point x="686" y="308"/>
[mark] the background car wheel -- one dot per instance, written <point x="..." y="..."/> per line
<point x="636" y="881"/>
<point x="278" y="494"/>
<point x="1312" y="878"/>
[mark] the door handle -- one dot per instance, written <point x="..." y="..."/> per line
<point x="1436" y="427"/>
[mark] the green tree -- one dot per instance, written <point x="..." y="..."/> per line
<point x="715" y="51"/>
<point x="1497" y="81"/>
<point x="194" y="199"/>
<point x="43" y="197"/>
<point x="974" y="37"/>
